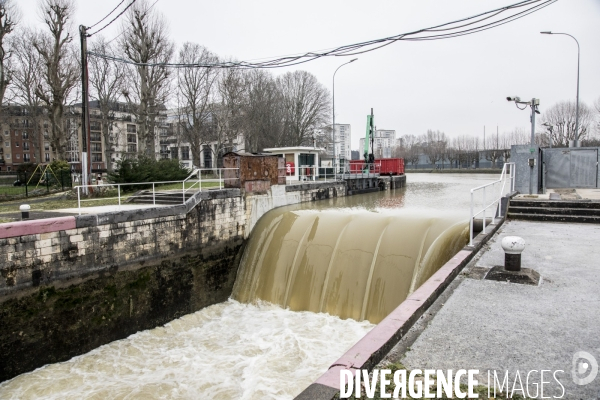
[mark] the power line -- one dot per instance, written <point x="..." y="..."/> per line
<point x="114" y="19"/>
<point x="122" y="32"/>
<point x="447" y="30"/>
<point x="107" y="15"/>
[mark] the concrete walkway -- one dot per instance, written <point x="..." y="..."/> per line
<point x="497" y="326"/>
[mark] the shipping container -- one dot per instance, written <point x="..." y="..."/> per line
<point x="383" y="166"/>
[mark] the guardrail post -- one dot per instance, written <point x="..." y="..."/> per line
<point x="78" y="201"/>
<point x="153" y="195"/>
<point x="471" y="222"/>
<point x="220" y="178"/>
<point x="484" y="208"/>
<point x="119" y="194"/>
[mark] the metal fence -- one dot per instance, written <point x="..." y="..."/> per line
<point x="200" y="179"/>
<point x="16" y="185"/>
<point x="491" y="193"/>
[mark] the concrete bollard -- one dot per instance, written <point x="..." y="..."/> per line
<point x="25" y="211"/>
<point x="513" y="247"/>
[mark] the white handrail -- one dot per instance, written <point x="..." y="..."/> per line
<point x="496" y="199"/>
<point x="219" y="177"/>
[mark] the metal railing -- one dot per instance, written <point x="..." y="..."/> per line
<point x="507" y="175"/>
<point x="192" y="183"/>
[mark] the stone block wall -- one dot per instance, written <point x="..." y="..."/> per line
<point x="71" y="284"/>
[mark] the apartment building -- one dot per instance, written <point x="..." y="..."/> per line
<point x="384" y="141"/>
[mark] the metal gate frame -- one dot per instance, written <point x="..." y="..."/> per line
<point x="569" y="172"/>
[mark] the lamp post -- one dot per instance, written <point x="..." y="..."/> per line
<point x="333" y="126"/>
<point x="576" y="144"/>
<point x="551" y="129"/>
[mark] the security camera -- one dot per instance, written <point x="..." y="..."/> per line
<point x="509" y="98"/>
<point x="516" y="98"/>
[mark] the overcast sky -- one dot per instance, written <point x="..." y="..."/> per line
<point x="456" y="85"/>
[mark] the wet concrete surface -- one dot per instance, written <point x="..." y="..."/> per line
<point x="500" y="326"/>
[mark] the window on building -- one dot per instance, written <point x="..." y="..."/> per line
<point x="7" y="144"/>
<point x="46" y="146"/>
<point x="18" y="156"/>
<point x="8" y="156"/>
<point x="96" y="157"/>
<point x="47" y="157"/>
<point x="26" y="157"/>
<point x="164" y="151"/>
<point x="131" y="148"/>
<point x="185" y="153"/>
<point x="131" y="128"/>
<point x="174" y="152"/>
<point x="97" y="147"/>
<point x="25" y="145"/>
<point x="95" y="137"/>
<point x="95" y="125"/>
<point x="16" y="144"/>
<point x="131" y="138"/>
<point x="25" y="135"/>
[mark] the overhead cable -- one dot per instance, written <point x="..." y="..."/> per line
<point x="465" y="26"/>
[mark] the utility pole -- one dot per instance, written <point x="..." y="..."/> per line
<point x="85" y="109"/>
<point x="534" y="103"/>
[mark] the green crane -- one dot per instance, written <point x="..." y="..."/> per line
<point x="369" y="157"/>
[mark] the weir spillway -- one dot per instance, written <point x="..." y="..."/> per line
<point x="349" y="263"/>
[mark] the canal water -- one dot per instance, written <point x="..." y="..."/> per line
<point x="256" y="349"/>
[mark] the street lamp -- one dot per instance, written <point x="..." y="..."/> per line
<point x="333" y="126"/>
<point x="551" y="129"/>
<point x="576" y="144"/>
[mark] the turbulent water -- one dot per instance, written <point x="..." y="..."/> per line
<point x="262" y="351"/>
<point x="226" y="351"/>
<point x="353" y="264"/>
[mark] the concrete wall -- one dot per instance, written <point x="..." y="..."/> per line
<point x="68" y="285"/>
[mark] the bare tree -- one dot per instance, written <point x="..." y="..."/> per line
<point x="228" y="110"/>
<point x="9" y="17"/>
<point x="61" y="70"/>
<point x="562" y="116"/>
<point x="492" y="149"/>
<point x="145" y="40"/>
<point x="306" y="106"/>
<point x="435" y="146"/>
<point x="263" y="112"/>
<point x="410" y="149"/>
<point x="107" y="81"/>
<point x="26" y="78"/>
<point x="196" y="92"/>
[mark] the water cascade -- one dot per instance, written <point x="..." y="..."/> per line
<point x="353" y="264"/>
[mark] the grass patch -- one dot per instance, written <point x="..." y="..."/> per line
<point x="52" y="203"/>
<point x="12" y="190"/>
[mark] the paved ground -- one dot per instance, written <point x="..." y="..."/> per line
<point x="566" y="194"/>
<point x="487" y="325"/>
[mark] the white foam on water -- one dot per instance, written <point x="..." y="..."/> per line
<point x="226" y="351"/>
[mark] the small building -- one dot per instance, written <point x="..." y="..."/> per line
<point x="252" y="172"/>
<point x="301" y="163"/>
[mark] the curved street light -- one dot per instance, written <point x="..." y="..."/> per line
<point x="333" y="126"/>
<point x="577" y="105"/>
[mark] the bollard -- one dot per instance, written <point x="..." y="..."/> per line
<point x="513" y="247"/>
<point x="25" y="211"/>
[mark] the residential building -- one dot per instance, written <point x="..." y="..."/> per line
<point x="384" y="141"/>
